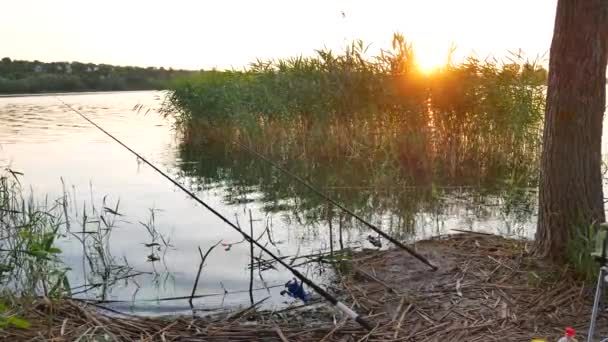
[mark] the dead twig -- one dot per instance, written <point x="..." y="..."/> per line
<point x="200" y="268"/>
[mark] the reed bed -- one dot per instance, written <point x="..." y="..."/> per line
<point x="468" y="120"/>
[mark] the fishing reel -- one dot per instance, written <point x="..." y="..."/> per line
<point x="296" y="290"/>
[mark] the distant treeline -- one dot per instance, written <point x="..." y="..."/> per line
<point x="17" y="76"/>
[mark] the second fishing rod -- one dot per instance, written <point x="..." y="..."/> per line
<point x="332" y="201"/>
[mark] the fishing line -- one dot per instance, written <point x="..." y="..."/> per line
<point x="332" y="201"/>
<point x="345" y="309"/>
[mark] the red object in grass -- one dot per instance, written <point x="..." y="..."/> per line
<point x="570" y="332"/>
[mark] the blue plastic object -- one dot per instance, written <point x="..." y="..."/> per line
<point x="296" y="290"/>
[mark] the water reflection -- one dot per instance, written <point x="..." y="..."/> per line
<point x="410" y="212"/>
<point x="47" y="143"/>
<point x="95" y="170"/>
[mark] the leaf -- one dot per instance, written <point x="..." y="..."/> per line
<point x="48" y="241"/>
<point x="112" y="211"/>
<point x="39" y="253"/>
<point x="104" y="221"/>
<point x="66" y="286"/>
<point x="15" y="174"/>
<point x="18" y="322"/>
<point x="25" y="234"/>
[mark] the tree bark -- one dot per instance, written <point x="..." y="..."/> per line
<point x="570" y="193"/>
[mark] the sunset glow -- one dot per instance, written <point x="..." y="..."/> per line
<point x="429" y="61"/>
<point x="232" y="33"/>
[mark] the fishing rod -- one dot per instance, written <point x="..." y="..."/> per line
<point x="332" y="201"/>
<point x="335" y="302"/>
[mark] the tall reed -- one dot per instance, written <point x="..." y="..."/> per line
<point x="460" y="124"/>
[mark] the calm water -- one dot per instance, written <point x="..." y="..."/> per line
<point x="47" y="142"/>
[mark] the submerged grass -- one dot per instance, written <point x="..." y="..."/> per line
<point x="31" y="264"/>
<point x="29" y="258"/>
<point x="28" y="253"/>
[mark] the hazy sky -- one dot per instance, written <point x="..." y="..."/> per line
<point x="203" y="34"/>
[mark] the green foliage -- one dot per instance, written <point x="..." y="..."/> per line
<point x="487" y="115"/>
<point x="30" y="230"/>
<point x="319" y="87"/>
<point x="473" y="120"/>
<point x="29" y="258"/>
<point x="579" y="252"/>
<point x="10" y="319"/>
<point x="18" y="76"/>
<point x="14" y="321"/>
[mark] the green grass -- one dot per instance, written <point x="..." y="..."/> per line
<point x="29" y="259"/>
<point x="31" y="264"/>
<point x="468" y="120"/>
<point x="579" y="252"/>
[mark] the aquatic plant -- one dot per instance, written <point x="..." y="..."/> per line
<point x="461" y="124"/>
<point x="29" y="258"/>
<point x="31" y="264"/>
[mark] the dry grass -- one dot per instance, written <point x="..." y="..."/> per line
<point x="487" y="289"/>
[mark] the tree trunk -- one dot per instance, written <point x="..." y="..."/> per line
<point x="570" y="194"/>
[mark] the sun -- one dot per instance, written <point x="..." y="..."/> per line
<point x="429" y="61"/>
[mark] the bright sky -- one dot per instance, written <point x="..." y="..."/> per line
<point x="198" y="34"/>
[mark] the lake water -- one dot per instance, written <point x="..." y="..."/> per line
<point x="47" y="142"/>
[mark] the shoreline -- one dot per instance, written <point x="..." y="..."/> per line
<point x="487" y="288"/>
<point x="87" y="92"/>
